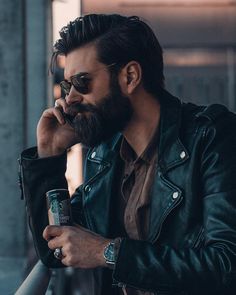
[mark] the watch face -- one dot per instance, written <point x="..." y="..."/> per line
<point x="109" y="253"/>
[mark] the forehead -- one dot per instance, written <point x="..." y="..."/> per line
<point x="83" y="59"/>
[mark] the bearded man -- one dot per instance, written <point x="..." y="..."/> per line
<point x="156" y="211"/>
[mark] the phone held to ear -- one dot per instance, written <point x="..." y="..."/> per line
<point x="69" y="119"/>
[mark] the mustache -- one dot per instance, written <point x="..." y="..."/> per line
<point x="73" y="110"/>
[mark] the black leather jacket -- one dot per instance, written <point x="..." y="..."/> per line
<point x="191" y="247"/>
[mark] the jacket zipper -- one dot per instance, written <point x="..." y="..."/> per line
<point x="199" y="239"/>
<point x="164" y="217"/>
<point x="168" y="211"/>
<point x="91" y="180"/>
<point x="124" y="290"/>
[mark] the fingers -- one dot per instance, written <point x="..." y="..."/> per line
<point x="52" y="231"/>
<point x="57" y="111"/>
<point x="61" y="104"/>
<point x="54" y="113"/>
<point x="58" y="114"/>
<point x="55" y="243"/>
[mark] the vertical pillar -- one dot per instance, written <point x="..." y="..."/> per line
<point x="12" y="136"/>
<point x="25" y="28"/>
<point x="38" y="45"/>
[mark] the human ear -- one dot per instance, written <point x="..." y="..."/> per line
<point x="130" y="77"/>
<point x="133" y="76"/>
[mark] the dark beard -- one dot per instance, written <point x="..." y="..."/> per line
<point x="102" y="121"/>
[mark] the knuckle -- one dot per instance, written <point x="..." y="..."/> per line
<point x="68" y="236"/>
<point x="69" y="260"/>
<point x="70" y="248"/>
<point x="45" y="112"/>
<point x="69" y="239"/>
<point x="61" y="100"/>
<point x="47" y="228"/>
<point x="65" y="262"/>
<point x="50" y="244"/>
<point x="45" y="232"/>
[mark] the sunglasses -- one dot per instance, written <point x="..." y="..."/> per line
<point x="80" y="81"/>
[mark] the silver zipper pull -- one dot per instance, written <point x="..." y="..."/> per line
<point x="124" y="290"/>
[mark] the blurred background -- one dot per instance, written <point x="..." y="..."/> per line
<point x="199" y="42"/>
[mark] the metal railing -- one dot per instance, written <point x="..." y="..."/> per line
<point x="36" y="282"/>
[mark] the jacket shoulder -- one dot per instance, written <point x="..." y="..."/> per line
<point x="211" y="112"/>
<point x="206" y="123"/>
<point x="211" y="115"/>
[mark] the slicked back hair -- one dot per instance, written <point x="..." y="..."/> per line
<point x="118" y="39"/>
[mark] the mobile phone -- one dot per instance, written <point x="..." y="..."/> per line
<point x="69" y="119"/>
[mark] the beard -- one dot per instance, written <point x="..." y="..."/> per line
<point x="95" y="124"/>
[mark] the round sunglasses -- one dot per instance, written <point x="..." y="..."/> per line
<point x="80" y="81"/>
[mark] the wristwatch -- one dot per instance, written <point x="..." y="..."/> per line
<point x="109" y="254"/>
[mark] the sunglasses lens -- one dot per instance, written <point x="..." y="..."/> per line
<point x="81" y="84"/>
<point x="65" y="87"/>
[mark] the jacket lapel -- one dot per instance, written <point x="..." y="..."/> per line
<point x="165" y="194"/>
<point x="97" y="189"/>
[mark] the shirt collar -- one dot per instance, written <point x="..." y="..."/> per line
<point x="128" y="154"/>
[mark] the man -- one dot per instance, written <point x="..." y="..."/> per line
<point x="156" y="211"/>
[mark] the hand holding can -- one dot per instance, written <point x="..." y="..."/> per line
<point x="59" y="211"/>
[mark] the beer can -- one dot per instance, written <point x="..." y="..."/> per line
<point x="59" y="208"/>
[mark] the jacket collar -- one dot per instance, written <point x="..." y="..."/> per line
<point x="107" y="151"/>
<point x="171" y="150"/>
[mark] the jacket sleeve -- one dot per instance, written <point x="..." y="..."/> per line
<point x="37" y="177"/>
<point x="211" y="268"/>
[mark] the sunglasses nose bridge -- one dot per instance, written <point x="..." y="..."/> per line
<point x="73" y="96"/>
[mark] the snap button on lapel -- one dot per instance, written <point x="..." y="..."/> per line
<point x="175" y="195"/>
<point x="87" y="188"/>
<point x="182" y="155"/>
<point x="93" y="155"/>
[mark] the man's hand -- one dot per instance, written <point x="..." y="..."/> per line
<point x="80" y="247"/>
<point x="54" y="134"/>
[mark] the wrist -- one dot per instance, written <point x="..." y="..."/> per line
<point x="102" y="260"/>
<point x="110" y="252"/>
<point x="44" y="152"/>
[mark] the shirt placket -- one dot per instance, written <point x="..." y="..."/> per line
<point x="132" y="194"/>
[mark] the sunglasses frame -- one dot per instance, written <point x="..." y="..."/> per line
<point x="77" y="80"/>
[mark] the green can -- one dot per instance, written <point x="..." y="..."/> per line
<point x="59" y="207"/>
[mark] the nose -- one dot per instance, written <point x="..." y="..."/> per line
<point x="73" y="97"/>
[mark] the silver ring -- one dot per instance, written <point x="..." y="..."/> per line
<point x="56" y="104"/>
<point x="58" y="253"/>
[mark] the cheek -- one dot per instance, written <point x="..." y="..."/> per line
<point x="123" y="85"/>
<point x="99" y="88"/>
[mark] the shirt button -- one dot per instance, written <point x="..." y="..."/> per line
<point x="87" y="188"/>
<point x="175" y="195"/>
<point x="182" y="155"/>
<point x="93" y="155"/>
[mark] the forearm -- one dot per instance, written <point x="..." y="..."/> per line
<point x="163" y="268"/>
<point x="37" y="177"/>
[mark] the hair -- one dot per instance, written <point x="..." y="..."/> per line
<point x="118" y="39"/>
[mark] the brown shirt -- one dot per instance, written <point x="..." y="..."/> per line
<point x="135" y="187"/>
